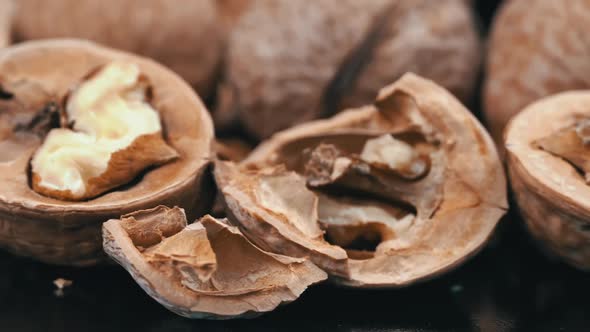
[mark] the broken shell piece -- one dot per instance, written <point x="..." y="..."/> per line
<point x="115" y="135"/>
<point x="207" y="269"/>
<point x="572" y="144"/>
<point x="381" y="196"/>
<point x="35" y="79"/>
<point x="547" y="158"/>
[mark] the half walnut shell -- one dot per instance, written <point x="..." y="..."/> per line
<point x="548" y="150"/>
<point x="204" y="270"/>
<point x="35" y="79"/>
<point x="380" y="196"/>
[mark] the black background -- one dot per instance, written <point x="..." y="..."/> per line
<point x="509" y="286"/>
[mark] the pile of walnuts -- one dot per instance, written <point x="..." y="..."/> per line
<point x="344" y="151"/>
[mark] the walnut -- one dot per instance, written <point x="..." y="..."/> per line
<point x="207" y="269"/>
<point x="547" y="153"/>
<point x="380" y="196"/>
<point x="87" y="134"/>
<point x="183" y="35"/>
<point x="537" y="48"/>
<point x="293" y="61"/>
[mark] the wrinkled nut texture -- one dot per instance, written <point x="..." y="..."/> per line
<point x="115" y="135"/>
<point x="379" y="196"/>
<point x="294" y="61"/>
<point x="207" y="269"/>
<point x="70" y="135"/>
<point x="537" y="48"/>
<point x="184" y="35"/>
<point x="547" y="152"/>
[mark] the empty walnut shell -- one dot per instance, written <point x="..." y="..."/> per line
<point x="547" y="152"/>
<point x="35" y="77"/>
<point x="207" y="269"/>
<point x="294" y="61"/>
<point x="183" y="35"/>
<point x="537" y="48"/>
<point x="379" y="196"/>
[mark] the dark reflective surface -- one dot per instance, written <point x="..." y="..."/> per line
<point x="510" y="286"/>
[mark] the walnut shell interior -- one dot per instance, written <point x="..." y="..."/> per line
<point x="207" y="269"/>
<point x="37" y="75"/>
<point x="379" y="196"/>
<point x="546" y="153"/>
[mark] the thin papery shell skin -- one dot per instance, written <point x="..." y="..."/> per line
<point x="207" y="269"/>
<point x="184" y="35"/>
<point x="293" y="61"/>
<point x="62" y="232"/>
<point x="469" y="188"/>
<point x="553" y="198"/>
<point x="537" y="48"/>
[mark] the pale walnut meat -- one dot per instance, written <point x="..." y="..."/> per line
<point x="547" y="153"/>
<point x="37" y="79"/>
<point x="115" y="134"/>
<point x="537" y="48"/>
<point x="294" y="61"/>
<point x="184" y="35"/>
<point x="379" y="196"/>
<point x="207" y="269"/>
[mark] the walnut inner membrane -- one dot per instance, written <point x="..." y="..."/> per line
<point x="571" y="144"/>
<point x="353" y="191"/>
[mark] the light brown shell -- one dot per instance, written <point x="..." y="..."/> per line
<point x="294" y="61"/>
<point x="6" y="12"/>
<point x="553" y="198"/>
<point x="471" y="193"/>
<point x="182" y="34"/>
<point x="63" y="232"/>
<point x="205" y="270"/>
<point x="537" y="48"/>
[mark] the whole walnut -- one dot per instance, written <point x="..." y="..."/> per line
<point x="184" y="35"/>
<point x="293" y="61"/>
<point x="537" y="48"/>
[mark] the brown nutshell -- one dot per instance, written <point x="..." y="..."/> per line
<point x="380" y="196"/>
<point x="294" y="61"/>
<point x="183" y="35"/>
<point x="547" y="153"/>
<point x="207" y="269"/>
<point x="36" y="77"/>
<point x="537" y="48"/>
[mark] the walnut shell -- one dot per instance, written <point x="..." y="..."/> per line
<point x="40" y="73"/>
<point x="6" y="12"/>
<point x="294" y="61"/>
<point x="549" y="189"/>
<point x="207" y="269"/>
<point x="427" y="218"/>
<point x="183" y="35"/>
<point x="536" y="49"/>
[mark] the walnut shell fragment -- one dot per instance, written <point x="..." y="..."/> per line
<point x="537" y="48"/>
<point x="293" y="61"/>
<point x="183" y="35"/>
<point x="380" y="196"/>
<point x="36" y="80"/>
<point x="207" y="269"/>
<point x="547" y="153"/>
